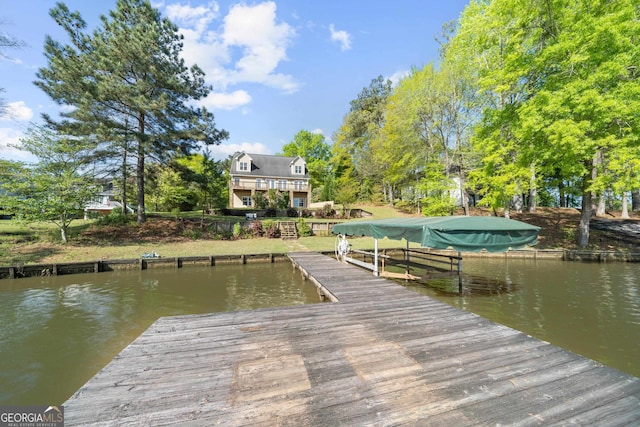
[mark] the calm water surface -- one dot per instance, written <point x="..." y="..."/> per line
<point x="57" y="332"/>
<point x="589" y="308"/>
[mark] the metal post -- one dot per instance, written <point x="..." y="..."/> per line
<point x="375" y="257"/>
<point x="459" y="272"/>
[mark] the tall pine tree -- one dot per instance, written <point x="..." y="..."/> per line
<point x="126" y="79"/>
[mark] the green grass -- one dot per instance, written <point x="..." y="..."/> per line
<point x="22" y="243"/>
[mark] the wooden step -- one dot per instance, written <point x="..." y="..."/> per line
<point x="288" y="230"/>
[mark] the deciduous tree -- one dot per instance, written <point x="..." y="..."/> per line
<point x="56" y="188"/>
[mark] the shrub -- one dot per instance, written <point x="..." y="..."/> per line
<point x="304" y="229"/>
<point x="271" y="229"/>
<point x="270" y="212"/>
<point x="193" y="234"/>
<point x="306" y="213"/>
<point x="326" y="212"/>
<point x="292" y="212"/>
<point x="256" y="229"/>
<point x="237" y="230"/>
<point x="115" y="217"/>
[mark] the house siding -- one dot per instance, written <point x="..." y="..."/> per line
<point x="252" y="173"/>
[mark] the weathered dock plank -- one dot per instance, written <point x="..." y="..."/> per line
<point x="382" y="355"/>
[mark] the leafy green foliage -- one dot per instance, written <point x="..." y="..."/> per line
<point x="316" y="152"/>
<point x="560" y="86"/>
<point x="271" y="229"/>
<point x="303" y="228"/>
<point x="56" y="189"/>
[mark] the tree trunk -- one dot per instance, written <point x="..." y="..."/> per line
<point x="563" y="203"/>
<point x="585" y="215"/>
<point x="635" y="200"/>
<point x="464" y="196"/>
<point x="602" y="207"/>
<point x="625" y="206"/>
<point x="533" y="190"/>
<point x="63" y="234"/>
<point x="124" y="179"/>
<point x="142" y="214"/>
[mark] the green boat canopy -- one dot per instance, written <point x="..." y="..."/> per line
<point x="461" y="233"/>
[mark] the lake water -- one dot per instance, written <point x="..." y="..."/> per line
<point x="592" y="309"/>
<point x="57" y="332"/>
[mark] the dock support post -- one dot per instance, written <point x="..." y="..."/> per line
<point x="375" y="258"/>
<point x="459" y="272"/>
<point x="406" y="260"/>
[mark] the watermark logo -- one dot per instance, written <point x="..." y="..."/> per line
<point x="31" y="416"/>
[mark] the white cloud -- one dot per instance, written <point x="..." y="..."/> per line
<point x="327" y="138"/>
<point x="247" y="47"/>
<point x="18" y="111"/>
<point x="226" y="101"/>
<point x="68" y="108"/>
<point x="398" y="75"/>
<point x="223" y="151"/>
<point x="341" y="37"/>
<point x="196" y="17"/>
<point x="9" y="140"/>
<point x="264" y="44"/>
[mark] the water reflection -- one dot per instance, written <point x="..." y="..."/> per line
<point x="59" y="331"/>
<point x="591" y="309"/>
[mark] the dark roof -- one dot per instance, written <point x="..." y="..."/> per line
<point x="268" y="166"/>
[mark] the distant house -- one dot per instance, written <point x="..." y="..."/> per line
<point x="104" y="202"/>
<point x="259" y="173"/>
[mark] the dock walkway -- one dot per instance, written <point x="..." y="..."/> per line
<point x="383" y="355"/>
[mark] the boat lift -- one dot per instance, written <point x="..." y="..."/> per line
<point x="459" y="233"/>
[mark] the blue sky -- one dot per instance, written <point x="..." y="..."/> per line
<point x="276" y="67"/>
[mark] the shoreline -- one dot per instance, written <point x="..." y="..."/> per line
<point x="104" y="265"/>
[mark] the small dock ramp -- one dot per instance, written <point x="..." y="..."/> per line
<point x="382" y="355"/>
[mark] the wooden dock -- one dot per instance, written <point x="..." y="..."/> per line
<point x="383" y="355"/>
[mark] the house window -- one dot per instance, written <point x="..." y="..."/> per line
<point x="258" y="183"/>
<point x="298" y="202"/>
<point x="271" y="183"/>
<point x="236" y="182"/>
<point x="298" y="185"/>
<point x="246" y="200"/>
<point x="297" y="169"/>
<point x="282" y="185"/>
<point x="244" y="166"/>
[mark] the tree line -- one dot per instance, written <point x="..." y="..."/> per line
<point x="531" y="103"/>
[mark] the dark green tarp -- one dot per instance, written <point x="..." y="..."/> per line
<point x="461" y="233"/>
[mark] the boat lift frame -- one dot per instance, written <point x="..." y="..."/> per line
<point x="343" y="249"/>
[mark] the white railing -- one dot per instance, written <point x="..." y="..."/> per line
<point x="243" y="185"/>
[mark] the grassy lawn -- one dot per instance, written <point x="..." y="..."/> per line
<point x="170" y="237"/>
<point x="40" y="242"/>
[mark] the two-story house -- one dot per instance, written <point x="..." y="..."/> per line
<point x="252" y="173"/>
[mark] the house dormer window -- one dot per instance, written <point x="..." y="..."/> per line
<point x="244" y="166"/>
<point x="297" y="169"/>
